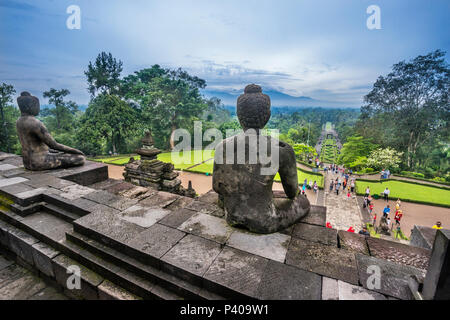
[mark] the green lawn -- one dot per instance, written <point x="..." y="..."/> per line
<point x="302" y="176"/>
<point x="180" y="160"/>
<point x="328" y="126"/>
<point x="408" y="191"/>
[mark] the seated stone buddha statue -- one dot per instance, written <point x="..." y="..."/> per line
<point x="39" y="150"/>
<point x="245" y="166"/>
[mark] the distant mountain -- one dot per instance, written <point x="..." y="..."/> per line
<point x="277" y="98"/>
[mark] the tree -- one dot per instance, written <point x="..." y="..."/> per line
<point x="63" y="112"/>
<point x="108" y="120"/>
<point x="414" y="100"/>
<point x="103" y="76"/>
<point x="167" y="100"/>
<point x="387" y="158"/>
<point x="303" y="152"/>
<point x="354" y="151"/>
<point x="6" y="126"/>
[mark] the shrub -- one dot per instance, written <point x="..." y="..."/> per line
<point x="413" y="174"/>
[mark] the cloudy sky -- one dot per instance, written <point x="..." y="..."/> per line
<point x="316" y="48"/>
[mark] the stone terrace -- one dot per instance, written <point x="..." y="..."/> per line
<point x="133" y="242"/>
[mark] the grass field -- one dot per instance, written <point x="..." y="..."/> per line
<point x="328" y="126"/>
<point x="408" y="191"/>
<point x="303" y="175"/>
<point x="180" y="160"/>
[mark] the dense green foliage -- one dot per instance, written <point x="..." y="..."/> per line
<point x="408" y="110"/>
<point x="8" y="114"/>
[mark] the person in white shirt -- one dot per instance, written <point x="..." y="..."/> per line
<point x="386" y="194"/>
<point x="367" y="191"/>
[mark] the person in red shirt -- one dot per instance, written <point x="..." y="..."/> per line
<point x="398" y="217"/>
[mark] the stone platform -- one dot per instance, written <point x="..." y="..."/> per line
<point x="132" y="242"/>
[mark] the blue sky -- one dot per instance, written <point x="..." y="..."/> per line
<point x="316" y="48"/>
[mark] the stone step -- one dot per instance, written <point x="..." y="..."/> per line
<point x="143" y="287"/>
<point x="168" y="281"/>
<point x="64" y="204"/>
<point x="59" y="212"/>
<point x="28" y="235"/>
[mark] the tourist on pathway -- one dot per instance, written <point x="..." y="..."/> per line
<point x="366" y="202"/>
<point x="364" y="231"/>
<point x="398" y="217"/>
<point x="304" y="189"/>
<point x="386" y="211"/>
<point x="374" y="220"/>
<point x="316" y="187"/>
<point x="337" y="188"/>
<point x="331" y="185"/>
<point x="352" y="185"/>
<point x="437" y="226"/>
<point x="386" y="194"/>
<point x="367" y="191"/>
<point x="398" y="205"/>
<point x="349" y="194"/>
<point x="388" y="222"/>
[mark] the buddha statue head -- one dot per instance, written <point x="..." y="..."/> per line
<point x="253" y="108"/>
<point x="28" y="104"/>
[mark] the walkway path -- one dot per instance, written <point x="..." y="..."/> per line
<point x="342" y="213"/>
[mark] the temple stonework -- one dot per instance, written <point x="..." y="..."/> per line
<point x="153" y="173"/>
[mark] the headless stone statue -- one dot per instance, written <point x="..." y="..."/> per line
<point x="245" y="185"/>
<point x="39" y="150"/>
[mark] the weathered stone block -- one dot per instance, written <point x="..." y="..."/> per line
<point x="317" y="216"/>
<point x="107" y="228"/>
<point x="208" y="227"/>
<point x="437" y="281"/>
<point x="177" y="218"/>
<point x="143" y="216"/>
<point x="348" y="291"/>
<point x="10" y="181"/>
<point x="75" y="191"/>
<point x="190" y="258"/>
<point x="180" y="203"/>
<point x="353" y="242"/>
<point x="393" y="277"/>
<point x="399" y="253"/>
<point x="330" y="289"/>
<point x="65" y="267"/>
<point x="42" y="257"/>
<point x="322" y="259"/>
<point x="209" y="197"/>
<point x="21" y="244"/>
<point x="22" y="288"/>
<point x="315" y="233"/>
<point x="423" y="237"/>
<point x="236" y="274"/>
<point x="271" y="246"/>
<point x="282" y="282"/>
<point x="156" y="240"/>
<point x="203" y="207"/>
<point x="160" y="199"/>
<point x="109" y="291"/>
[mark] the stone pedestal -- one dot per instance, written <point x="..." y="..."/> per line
<point x="437" y="282"/>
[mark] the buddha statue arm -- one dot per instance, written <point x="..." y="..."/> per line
<point x="288" y="170"/>
<point x="46" y="137"/>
